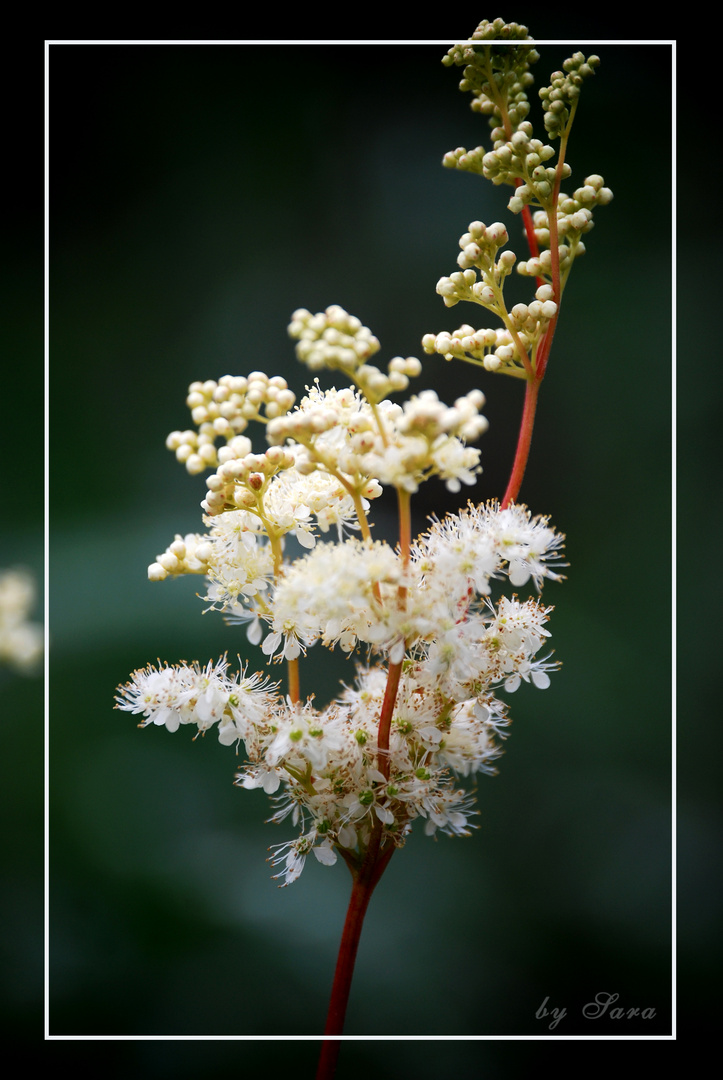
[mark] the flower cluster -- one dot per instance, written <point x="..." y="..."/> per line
<point x="573" y="219"/>
<point x="21" y="641"/>
<point x="336" y="341"/>
<point x="431" y="613"/>
<point x="500" y="349"/>
<point x="171" y="696"/>
<point x="498" y="76"/>
<point x="435" y="642"/>
<point x="423" y="608"/>
<point x="223" y="409"/>
<point x="559" y="97"/>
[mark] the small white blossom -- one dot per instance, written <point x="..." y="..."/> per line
<point x="171" y="696"/>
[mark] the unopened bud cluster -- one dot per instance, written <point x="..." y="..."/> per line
<point x="480" y="245"/>
<point x="564" y="90"/>
<point x="223" y="410"/>
<point x="574" y="219"/>
<point x="496" y="349"/>
<point x="327" y="458"/>
<point x="336" y="341"/>
<point x="187" y="554"/>
<point x="240" y="482"/>
<point x="499" y="78"/>
<point x="491" y="30"/>
<point x="524" y="324"/>
<point x="517" y="161"/>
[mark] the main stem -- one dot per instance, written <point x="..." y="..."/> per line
<point x="365" y="881"/>
<point x="376" y="857"/>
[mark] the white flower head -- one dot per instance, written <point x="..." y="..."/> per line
<point x="531" y="548"/>
<point x="173" y="695"/>
<point x="391" y="749"/>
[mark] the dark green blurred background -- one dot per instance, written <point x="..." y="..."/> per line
<point x="198" y="196"/>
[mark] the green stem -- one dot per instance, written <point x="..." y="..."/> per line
<point x="361" y="515"/>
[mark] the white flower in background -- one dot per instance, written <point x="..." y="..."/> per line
<point x="21" y="641"/>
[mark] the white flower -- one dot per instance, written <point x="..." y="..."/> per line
<point x="531" y="548"/>
<point x="268" y="778"/>
<point x="513" y="638"/>
<point x="240" y="563"/>
<point x="457" y="553"/>
<point x="293" y="855"/>
<point x="455" y="463"/>
<point x="21" y="641"/>
<point x="304" y="735"/>
<point x="171" y="696"/>
<point x="325" y="853"/>
<point x="330" y="594"/>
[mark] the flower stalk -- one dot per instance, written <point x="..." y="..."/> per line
<point x="423" y="714"/>
<point x="524" y="442"/>
<point x="365" y="881"/>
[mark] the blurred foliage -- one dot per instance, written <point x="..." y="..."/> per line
<point x="199" y="195"/>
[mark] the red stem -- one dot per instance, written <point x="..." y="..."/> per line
<point x="523" y="442"/>
<point x="543" y="351"/>
<point x="385" y="720"/>
<point x="365" y="880"/>
<point x="376" y="859"/>
<point x="372" y="869"/>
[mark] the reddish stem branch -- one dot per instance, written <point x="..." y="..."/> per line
<point x="385" y="720"/>
<point x="543" y="351"/>
<point x="523" y="442"/>
<point x="358" y="903"/>
<point x="394" y="671"/>
<point x="293" y="673"/>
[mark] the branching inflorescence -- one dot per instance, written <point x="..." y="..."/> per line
<point x="423" y="607"/>
<point x="434" y="649"/>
